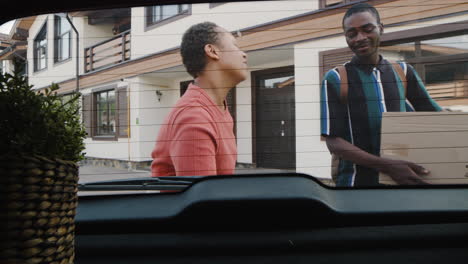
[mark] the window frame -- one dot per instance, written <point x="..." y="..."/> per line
<point x="3" y="66"/>
<point x="58" y="39"/>
<point x="65" y="97"/>
<point x="121" y="111"/>
<point x="323" y="3"/>
<point x="95" y="103"/>
<point x="213" y="5"/>
<point x="149" y="24"/>
<point x="43" y="31"/>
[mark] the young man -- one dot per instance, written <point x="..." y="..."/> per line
<point x="352" y="127"/>
<point x="197" y="137"/>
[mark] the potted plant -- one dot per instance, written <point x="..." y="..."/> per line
<point x="41" y="142"/>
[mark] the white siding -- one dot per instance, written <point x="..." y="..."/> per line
<point x="232" y="16"/>
<point x="66" y="70"/>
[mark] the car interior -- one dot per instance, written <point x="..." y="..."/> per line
<point x="284" y="217"/>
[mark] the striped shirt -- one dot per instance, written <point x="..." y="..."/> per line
<point x="371" y="91"/>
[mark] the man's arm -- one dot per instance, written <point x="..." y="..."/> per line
<point x="402" y="172"/>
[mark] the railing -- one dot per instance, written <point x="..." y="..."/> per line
<point x="448" y="90"/>
<point x="107" y="53"/>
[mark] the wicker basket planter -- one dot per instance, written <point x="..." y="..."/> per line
<point x="39" y="210"/>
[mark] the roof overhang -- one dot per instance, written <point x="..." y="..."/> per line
<point x="11" y="52"/>
<point x="20" y="30"/>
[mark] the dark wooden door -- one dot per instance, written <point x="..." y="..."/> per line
<point x="275" y="119"/>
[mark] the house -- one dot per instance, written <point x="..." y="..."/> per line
<point x="13" y="46"/>
<point x="131" y="74"/>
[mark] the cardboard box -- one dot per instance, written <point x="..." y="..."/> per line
<point x="437" y="141"/>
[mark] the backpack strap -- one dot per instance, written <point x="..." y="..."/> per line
<point x="402" y="76"/>
<point x="343" y="84"/>
<point x="335" y="159"/>
<point x="344" y="81"/>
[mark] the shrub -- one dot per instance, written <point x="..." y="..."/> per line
<point x="39" y="123"/>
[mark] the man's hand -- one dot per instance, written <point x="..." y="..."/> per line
<point x="404" y="172"/>
<point x="401" y="171"/>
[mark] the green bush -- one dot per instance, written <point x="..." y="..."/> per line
<point x="39" y="123"/>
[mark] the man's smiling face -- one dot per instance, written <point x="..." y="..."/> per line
<point x="362" y="32"/>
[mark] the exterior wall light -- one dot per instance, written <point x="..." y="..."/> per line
<point x="159" y="95"/>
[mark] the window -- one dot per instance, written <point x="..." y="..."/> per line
<point x="423" y="47"/>
<point x="266" y="213"/>
<point x="40" y="49"/>
<point x="65" y="98"/>
<point x="213" y="5"/>
<point x="444" y="73"/>
<point x="330" y="3"/>
<point x="105" y="114"/>
<point x="277" y="83"/>
<point x="165" y="13"/>
<point x="275" y="110"/>
<point x="441" y="62"/>
<point x="62" y="39"/>
<point x="21" y="66"/>
<point x="2" y="67"/>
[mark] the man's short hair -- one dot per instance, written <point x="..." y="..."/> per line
<point x="193" y="46"/>
<point x="359" y="8"/>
